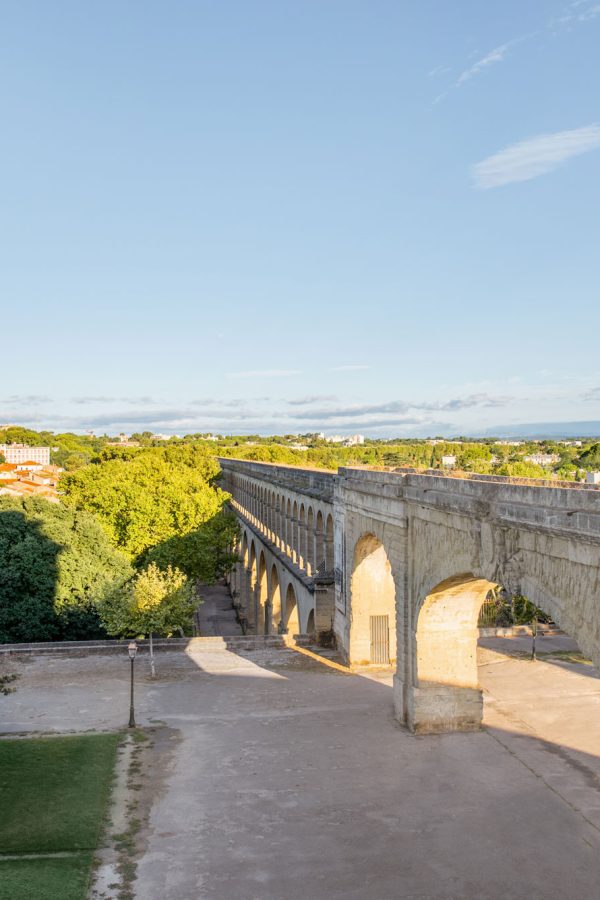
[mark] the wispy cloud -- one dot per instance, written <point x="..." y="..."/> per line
<point x="25" y="398"/>
<point x="574" y="15"/>
<point x="438" y="70"/>
<point x="135" y="401"/>
<point x="535" y="156"/>
<point x="497" y="55"/>
<point x="349" y="368"/>
<point x="315" y="398"/>
<point x="265" y="373"/>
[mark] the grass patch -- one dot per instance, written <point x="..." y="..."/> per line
<point x="53" y="795"/>
<point x="50" y="879"/>
<point x="53" y="791"/>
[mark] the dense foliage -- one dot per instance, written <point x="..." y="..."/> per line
<point x="154" y="601"/>
<point x="146" y="497"/>
<point x="55" y="564"/>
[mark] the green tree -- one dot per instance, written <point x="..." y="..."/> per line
<point x="55" y="564"/>
<point x="153" y="602"/>
<point x="205" y="554"/>
<point x="149" y="496"/>
<point x="590" y="459"/>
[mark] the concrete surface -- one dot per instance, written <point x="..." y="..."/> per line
<point x="215" y="615"/>
<point x="283" y="779"/>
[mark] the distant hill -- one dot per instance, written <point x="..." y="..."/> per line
<point x="541" y="430"/>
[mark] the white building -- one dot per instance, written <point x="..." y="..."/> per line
<point x="592" y="477"/>
<point x="448" y="462"/>
<point x="21" y="453"/>
<point x="543" y="459"/>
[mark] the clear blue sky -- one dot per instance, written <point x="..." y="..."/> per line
<point x="375" y="216"/>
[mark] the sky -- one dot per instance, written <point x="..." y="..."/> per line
<point x="267" y="216"/>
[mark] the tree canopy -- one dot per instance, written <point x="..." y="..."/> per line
<point x="146" y="497"/>
<point x="55" y="564"/>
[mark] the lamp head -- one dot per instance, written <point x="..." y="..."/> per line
<point x="132" y="650"/>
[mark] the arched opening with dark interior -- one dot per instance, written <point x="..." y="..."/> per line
<point x="291" y="623"/>
<point x="310" y="541"/>
<point x="251" y="606"/>
<point x="372" y="605"/>
<point x="302" y="537"/>
<point x="329" y="545"/>
<point x="310" y="623"/>
<point x="275" y="601"/>
<point x="295" y="532"/>
<point x="319" y="544"/>
<point x="262" y="598"/>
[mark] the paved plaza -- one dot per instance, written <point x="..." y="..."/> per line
<point x="279" y="777"/>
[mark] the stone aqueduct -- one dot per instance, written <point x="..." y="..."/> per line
<point x="396" y="564"/>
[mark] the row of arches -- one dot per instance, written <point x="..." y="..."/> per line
<point x="265" y="593"/>
<point x="297" y="526"/>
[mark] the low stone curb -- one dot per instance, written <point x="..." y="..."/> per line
<point x="235" y="642"/>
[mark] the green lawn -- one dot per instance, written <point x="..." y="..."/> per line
<point x="46" y="879"/>
<point x="53" y="796"/>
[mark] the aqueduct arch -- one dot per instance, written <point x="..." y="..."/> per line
<point x="447" y="684"/>
<point x="262" y="598"/>
<point x="252" y="578"/>
<point x="291" y="623"/>
<point x="275" y="600"/>
<point x="373" y="605"/>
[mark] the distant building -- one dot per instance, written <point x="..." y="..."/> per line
<point x="21" y="453"/>
<point x="348" y="441"/>
<point x="543" y="459"/>
<point x="448" y="462"/>
<point x="592" y="477"/>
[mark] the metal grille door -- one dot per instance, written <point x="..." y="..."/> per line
<point x="380" y="640"/>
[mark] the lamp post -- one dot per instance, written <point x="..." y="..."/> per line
<point x="132" y="650"/>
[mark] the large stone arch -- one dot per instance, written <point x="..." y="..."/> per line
<point x="372" y="605"/>
<point x="446" y="694"/>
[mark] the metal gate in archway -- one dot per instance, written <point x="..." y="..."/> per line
<point x="380" y="639"/>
